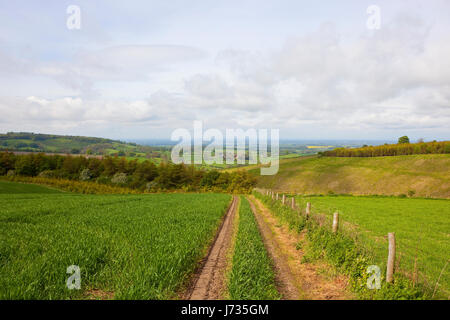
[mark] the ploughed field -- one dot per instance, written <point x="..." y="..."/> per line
<point x="127" y="246"/>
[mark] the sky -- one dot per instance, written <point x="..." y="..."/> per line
<point x="141" y="69"/>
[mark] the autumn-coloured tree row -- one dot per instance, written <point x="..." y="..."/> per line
<point x="391" y="150"/>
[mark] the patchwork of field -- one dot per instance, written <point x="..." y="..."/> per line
<point x="421" y="227"/>
<point x="127" y="247"/>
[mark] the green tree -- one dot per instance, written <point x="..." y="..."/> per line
<point x="25" y="166"/>
<point x="210" y="178"/>
<point x="7" y="161"/>
<point x="146" y="171"/>
<point x="403" y="139"/>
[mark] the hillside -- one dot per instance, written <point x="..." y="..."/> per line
<point x="414" y="175"/>
<point x="50" y="143"/>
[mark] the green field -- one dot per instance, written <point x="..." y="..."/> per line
<point x="15" y="187"/>
<point x="127" y="247"/>
<point x="50" y="143"/>
<point x="252" y="276"/>
<point x="416" y="175"/>
<point x="421" y="227"/>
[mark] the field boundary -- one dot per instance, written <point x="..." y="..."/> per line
<point x="339" y="242"/>
<point x="311" y="281"/>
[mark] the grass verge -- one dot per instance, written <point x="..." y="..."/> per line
<point x="345" y="253"/>
<point x="252" y="276"/>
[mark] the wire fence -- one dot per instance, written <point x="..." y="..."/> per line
<point x="420" y="265"/>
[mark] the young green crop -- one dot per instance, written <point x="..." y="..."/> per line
<point x="252" y="276"/>
<point x="128" y="246"/>
<point x="7" y="187"/>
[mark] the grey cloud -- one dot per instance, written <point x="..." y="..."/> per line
<point x="118" y="63"/>
<point x="396" y="78"/>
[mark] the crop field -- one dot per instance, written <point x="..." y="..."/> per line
<point x="127" y="246"/>
<point x="15" y="187"/>
<point x="252" y="276"/>
<point x="421" y="227"/>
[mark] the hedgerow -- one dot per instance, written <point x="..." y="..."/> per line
<point x="391" y="150"/>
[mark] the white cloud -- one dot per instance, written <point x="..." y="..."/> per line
<point x="133" y="62"/>
<point x="397" y="78"/>
<point x="130" y="63"/>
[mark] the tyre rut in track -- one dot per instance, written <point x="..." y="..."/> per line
<point x="209" y="284"/>
<point x="295" y="280"/>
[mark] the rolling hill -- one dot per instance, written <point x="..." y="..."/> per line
<point x="50" y="143"/>
<point x="412" y="175"/>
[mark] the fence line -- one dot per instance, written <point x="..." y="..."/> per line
<point x="394" y="257"/>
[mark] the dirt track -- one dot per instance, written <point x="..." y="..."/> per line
<point x="209" y="284"/>
<point x="296" y="280"/>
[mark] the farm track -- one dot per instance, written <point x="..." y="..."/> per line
<point x="209" y="283"/>
<point x="295" y="280"/>
<point x="284" y="278"/>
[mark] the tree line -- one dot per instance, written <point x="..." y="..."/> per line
<point x="120" y="172"/>
<point x="391" y="149"/>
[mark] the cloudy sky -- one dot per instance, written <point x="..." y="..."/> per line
<point x="140" y="69"/>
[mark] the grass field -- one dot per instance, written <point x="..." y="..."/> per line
<point x="76" y="145"/>
<point x="127" y="247"/>
<point x="421" y="227"/>
<point x="418" y="175"/>
<point x="251" y="277"/>
<point x="15" y="187"/>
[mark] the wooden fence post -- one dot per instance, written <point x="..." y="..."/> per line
<point x="284" y="199"/>
<point x="335" y="222"/>
<point x="276" y="198"/>
<point x="391" y="258"/>
<point x="293" y="202"/>
<point x="308" y="209"/>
